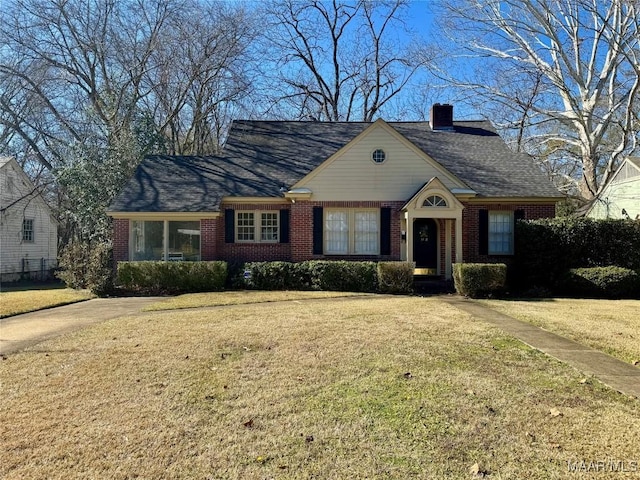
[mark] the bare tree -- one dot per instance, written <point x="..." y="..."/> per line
<point x="579" y="61"/>
<point x="340" y="60"/>
<point x="200" y="72"/>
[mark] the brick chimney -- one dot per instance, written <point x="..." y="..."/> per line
<point x="441" y="117"/>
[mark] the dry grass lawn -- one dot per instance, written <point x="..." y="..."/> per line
<point x="381" y="387"/>
<point x="15" y="302"/>
<point x="215" y="299"/>
<point x="611" y="326"/>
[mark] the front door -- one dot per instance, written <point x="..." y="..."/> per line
<point x="425" y="244"/>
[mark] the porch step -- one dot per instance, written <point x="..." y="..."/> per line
<point x="432" y="284"/>
<point x="425" y="271"/>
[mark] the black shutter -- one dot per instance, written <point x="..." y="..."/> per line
<point x="284" y="226"/>
<point x="518" y="215"/>
<point x="318" y="221"/>
<point x="483" y="232"/>
<point x="385" y="231"/>
<point x="229" y="225"/>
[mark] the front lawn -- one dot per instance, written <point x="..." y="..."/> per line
<point x="611" y="326"/>
<point x="236" y="297"/>
<point x="23" y="301"/>
<point x="365" y="387"/>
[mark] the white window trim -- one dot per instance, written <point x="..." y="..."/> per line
<point x="32" y="230"/>
<point x="511" y="223"/>
<point x="351" y="231"/>
<point x="257" y="226"/>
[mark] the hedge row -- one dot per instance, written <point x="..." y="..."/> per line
<point x="173" y="277"/>
<point x="602" y="282"/>
<point x="545" y="250"/>
<point x="384" y="277"/>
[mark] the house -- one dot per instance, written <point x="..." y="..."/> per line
<point x="433" y="193"/>
<point x="28" y="230"/>
<point x="620" y="198"/>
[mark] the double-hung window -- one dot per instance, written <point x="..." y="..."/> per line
<point x="257" y="226"/>
<point x="27" y="230"/>
<point x="500" y="233"/>
<point x="351" y="232"/>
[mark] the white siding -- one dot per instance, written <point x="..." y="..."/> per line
<point x="622" y="193"/>
<point x="354" y="176"/>
<point x="13" y="185"/>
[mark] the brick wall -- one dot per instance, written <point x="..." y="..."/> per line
<point x="302" y="229"/>
<point x="120" y="239"/>
<point x="470" y="222"/>
<point x="208" y="238"/>
<point x="252" y="252"/>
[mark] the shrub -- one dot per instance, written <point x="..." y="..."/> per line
<point x="87" y="265"/>
<point x="341" y="275"/>
<point x="172" y="277"/>
<point x="603" y="282"/>
<point x="479" y="279"/>
<point x="546" y="249"/>
<point x="395" y="277"/>
<point x="277" y="276"/>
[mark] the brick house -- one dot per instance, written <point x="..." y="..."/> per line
<point x="433" y="193"/>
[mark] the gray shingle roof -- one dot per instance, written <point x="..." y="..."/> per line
<point x="261" y="157"/>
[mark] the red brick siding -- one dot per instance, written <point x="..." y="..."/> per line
<point x="302" y="230"/>
<point x="470" y="227"/>
<point x="208" y="238"/>
<point x="121" y="240"/>
<point x="253" y="252"/>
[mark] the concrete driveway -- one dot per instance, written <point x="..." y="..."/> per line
<point x="21" y="331"/>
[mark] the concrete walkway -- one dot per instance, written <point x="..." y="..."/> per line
<point x="21" y="331"/>
<point x="615" y="373"/>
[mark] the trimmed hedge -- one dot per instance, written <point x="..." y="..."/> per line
<point x="395" y="277"/>
<point x="479" y="279"/>
<point x="386" y="277"/>
<point x="275" y="276"/>
<point x="603" y="282"/>
<point x="312" y="275"/>
<point x="546" y="249"/>
<point x="172" y="277"/>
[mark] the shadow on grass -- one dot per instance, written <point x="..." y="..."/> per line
<point x="22" y="286"/>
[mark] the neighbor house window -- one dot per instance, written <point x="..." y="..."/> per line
<point x="257" y="226"/>
<point x="27" y="230"/>
<point x="500" y="233"/>
<point x="165" y="240"/>
<point x="351" y="231"/>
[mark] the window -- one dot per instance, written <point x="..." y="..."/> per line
<point x="378" y="156"/>
<point x="435" y="201"/>
<point x="27" y="230"/>
<point x="264" y="230"/>
<point x="246" y="227"/>
<point x="164" y="239"/>
<point x="500" y="233"/>
<point x="351" y="231"/>
<point x="268" y="227"/>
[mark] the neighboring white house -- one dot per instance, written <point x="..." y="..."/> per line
<point x="620" y="198"/>
<point x="28" y="231"/>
